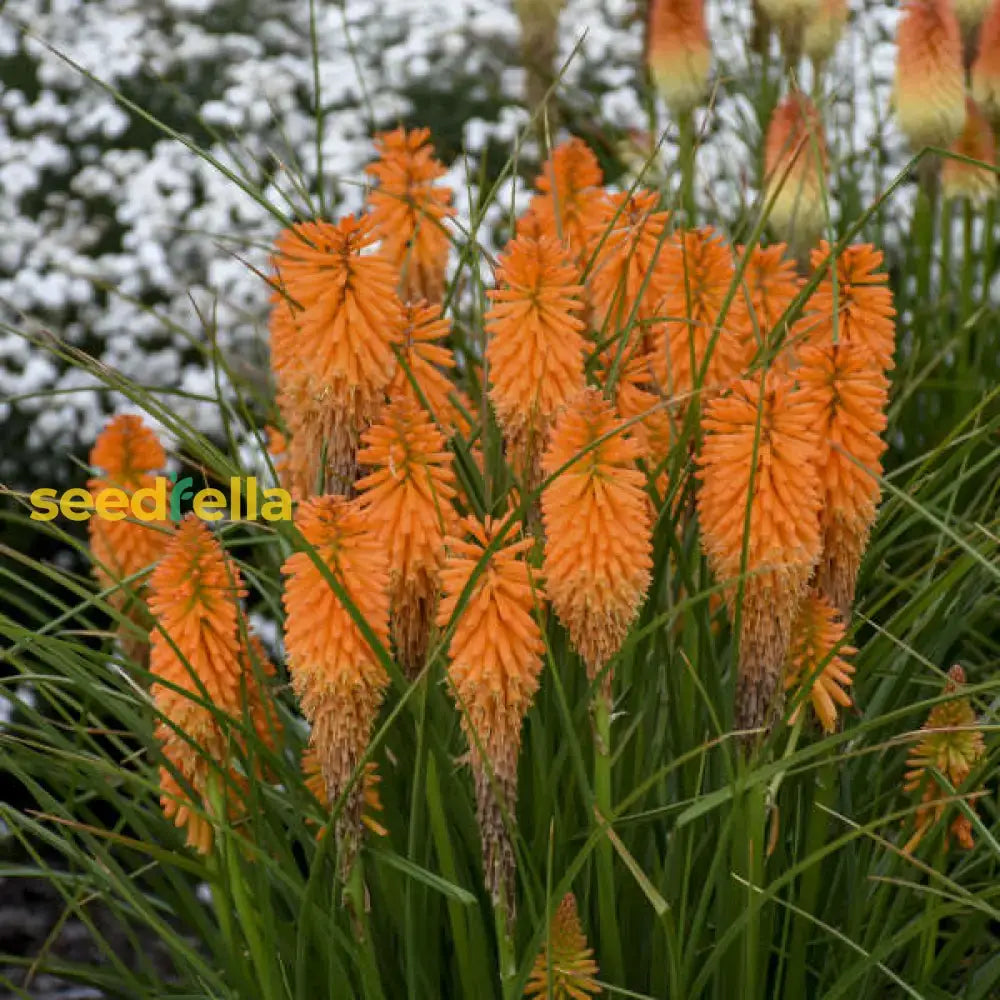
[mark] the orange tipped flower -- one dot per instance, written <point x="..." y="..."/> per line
<point x="425" y="360"/>
<point x="336" y="674"/>
<point x="771" y="285"/>
<point x="195" y="656"/>
<point x="565" y="959"/>
<point x="850" y="394"/>
<point x="960" y="179"/>
<point x="597" y="530"/>
<point x="409" y="210"/>
<point x="536" y="350"/>
<point x="127" y="453"/>
<point x="628" y="247"/>
<point x="930" y="78"/>
<point x="953" y="745"/>
<point x="986" y="68"/>
<point x="795" y="171"/>
<point x="332" y="343"/>
<point x="817" y="661"/>
<point x="824" y="28"/>
<point x="407" y="499"/>
<point x="495" y="659"/>
<point x="853" y="308"/>
<point x="783" y="542"/>
<point x="569" y="203"/>
<point x="678" y="52"/>
<point x="688" y="355"/>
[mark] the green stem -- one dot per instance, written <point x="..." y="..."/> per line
<point x="354" y="897"/>
<point x="505" y="949"/>
<point x="687" y="158"/>
<point x="968" y="268"/>
<point x="611" y="950"/>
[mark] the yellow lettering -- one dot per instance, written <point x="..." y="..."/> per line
<point x="208" y="504"/>
<point x="277" y="505"/>
<point x="44" y="502"/>
<point x="76" y="504"/>
<point x="157" y="511"/>
<point x="112" y="504"/>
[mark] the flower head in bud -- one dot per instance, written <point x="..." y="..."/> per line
<point x="853" y="305"/>
<point x="824" y="28"/>
<point x="597" y="529"/>
<point x="566" y="960"/>
<point x="690" y="351"/>
<point x="407" y="498"/>
<point x="817" y="660"/>
<point x="795" y="171"/>
<point x="409" y="210"/>
<point x="930" y="79"/>
<point x="960" y="179"/>
<point x="952" y="745"/>
<point x="850" y="393"/>
<point x="332" y="339"/>
<point x="986" y="67"/>
<point x="495" y="657"/>
<point x="335" y="672"/>
<point x="761" y="435"/>
<point x="678" y="52"/>
<point x="569" y="201"/>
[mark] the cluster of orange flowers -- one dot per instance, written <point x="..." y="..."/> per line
<point x="611" y="337"/>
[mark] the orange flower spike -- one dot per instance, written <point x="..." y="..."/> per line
<point x="864" y="311"/>
<point x="817" y="657"/>
<point x="428" y="360"/>
<point x="127" y="453"/>
<point x="930" y="80"/>
<point x="850" y="394"/>
<point x="629" y="250"/>
<point x="495" y="658"/>
<point x="407" y="500"/>
<point x="986" y="67"/>
<point x="193" y="594"/>
<point x="409" y="211"/>
<point x="824" y="29"/>
<point x="701" y="274"/>
<point x="598" y="529"/>
<point x="784" y="541"/>
<point x="953" y="745"/>
<point x="570" y="962"/>
<point x="965" y="180"/>
<point x="536" y="351"/>
<point x="342" y="342"/>
<point x="771" y="285"/>
<point x="795" y="162"/>
<point x="678" y="52"/>
<point x="569" y="202"/>
<point x="336" y="674"/>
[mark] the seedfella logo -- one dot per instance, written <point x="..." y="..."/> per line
<point x="165" y="500"/>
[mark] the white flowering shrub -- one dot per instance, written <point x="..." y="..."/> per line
<point x="120" y="241"/>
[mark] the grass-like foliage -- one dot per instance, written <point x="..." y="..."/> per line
<point x="533" y="702"/>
